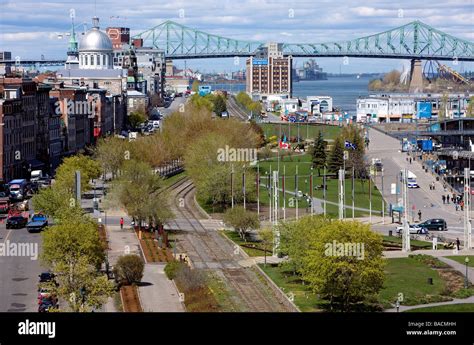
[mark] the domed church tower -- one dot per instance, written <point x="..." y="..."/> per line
<point x="95" y="49"/>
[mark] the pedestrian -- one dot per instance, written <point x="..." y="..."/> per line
<point x="444" y="199"/>
<point x="461" y="204"/>
<point x="447" y="199"/>
<point x="410" y="160"/>
<point x="457" y="207"/>
<point x="121" y="223"/>
<point x="419" y="215"/>
<point x="458" y="243"/>
<point x="434" y="186"/>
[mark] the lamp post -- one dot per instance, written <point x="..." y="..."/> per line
<point x="466" y="280"/>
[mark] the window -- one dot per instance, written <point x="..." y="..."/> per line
<point x="92" y="60"/>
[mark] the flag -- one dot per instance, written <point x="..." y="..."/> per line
<point x="349" y="145"/>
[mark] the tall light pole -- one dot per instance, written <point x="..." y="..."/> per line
<point x="466" y="280"/>
<point x="467" y="221"/>
<point x="324" y="191"/>
<point x="353" y="193"/>
<point x="383" y="201"/>
<point x="341" y="193"/>
<point x="232" y="186"/>
<point x="275" y="197"/>
<point x="406" y="228"/>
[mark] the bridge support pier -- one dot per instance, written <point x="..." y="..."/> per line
<point x="416" y="76"/>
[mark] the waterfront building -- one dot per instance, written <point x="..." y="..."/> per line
<point x="269" y="72"/>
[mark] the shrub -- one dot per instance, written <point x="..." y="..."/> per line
<point x="190" y="280"/>
<point x="172" y="268"/>
<point x="129" y="269"/>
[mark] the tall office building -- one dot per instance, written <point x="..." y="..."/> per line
<point x="269" y="72"/>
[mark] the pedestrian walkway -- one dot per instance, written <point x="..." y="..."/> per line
<point x="454" y="301"/>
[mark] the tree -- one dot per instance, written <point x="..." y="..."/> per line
<point x="137" y="117"/>
<point x="219" y="105"/>
<point x="111" y="152"/>
<point x="336" y="156"/>
<point x="241" y="220"/>
<point x="139" y="191"/>
<point x="294" y="239"/>
<point x="318" y="153"/>
<point x="266" y="238"/>
<point x="470" y="107"/>
<point x="129" y="269"/>
<point x="73" y="250"/>
<point x="443" y="107"/>
<point x="344" y="264"/>
<point x="195" y="85"/>
<point x="65" y="174"/>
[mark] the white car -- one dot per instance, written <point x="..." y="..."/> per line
<point x="412" y="184"/>
<point x="414" y="229"/>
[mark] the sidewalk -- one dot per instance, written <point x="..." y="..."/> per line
<point x="454" y="301"/>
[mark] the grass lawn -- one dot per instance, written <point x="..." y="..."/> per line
<point x="304" y="130"/>
<point x="464" y="307"/>
<point x="410" y="277"/>
<point x="413" y="243"/>
<point x="252" y="248"/>
<point x="289" y="283"/>
<point x="303" y="162"/>
<point x="461" y="259"/>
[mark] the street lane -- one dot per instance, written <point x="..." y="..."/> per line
<point x="428" y="201"/>
<point x="19" y="274"/>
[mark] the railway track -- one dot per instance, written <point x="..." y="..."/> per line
<point x="208" y="250"/>
<point x="234" y="109"/>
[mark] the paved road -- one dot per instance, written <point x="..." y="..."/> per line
<point x="428" y="201"/>
<point x="19" y="274"/>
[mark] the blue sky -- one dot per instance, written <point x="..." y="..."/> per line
<point x="31" y="28"/>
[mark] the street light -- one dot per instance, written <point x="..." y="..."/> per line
<point x="466" y="281"/>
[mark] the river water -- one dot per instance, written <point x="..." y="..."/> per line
<point x="343" y="90"/>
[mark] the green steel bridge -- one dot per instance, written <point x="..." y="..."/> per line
<point x="414" y="40"/>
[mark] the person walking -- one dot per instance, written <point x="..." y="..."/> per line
<point x="457" y="207"/>
<point x="461" y="204"/>
<point x="434" y="186"/>
<point x="121" y="223"/>
<point x="447" y="198"/>
<point x="444" y="198"/>
<point x="458" y="243"/>
<point x="419" y="215"/>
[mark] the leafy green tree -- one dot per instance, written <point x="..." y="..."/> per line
<point x="318" y="153"/>
<point x="294" y="239"/>
<point x="73" y="250"/>
<point x="266" y="238"/>
<point x="344" y="263"/>
<point x="136" y="118"/>
<point x="139" y="191"/>
<point x="470" y="107"/>
<point x="241" y="220"/>
<point x="111" y="152"/>
<point x="129" y="269"/>
<point x="65" y="174"/>
<point x="195" y="85"/>
<point x="336" y="155"/>
<point x="219" y="105"/>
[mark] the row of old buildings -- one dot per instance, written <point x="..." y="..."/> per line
<point x="46" y="117"/>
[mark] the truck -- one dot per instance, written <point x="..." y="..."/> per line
<point x="18" y="189"/>
<point x="36" y="175"/>
<point x="38" y="222"/>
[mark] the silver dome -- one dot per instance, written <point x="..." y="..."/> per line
<point x="96" y="41"/>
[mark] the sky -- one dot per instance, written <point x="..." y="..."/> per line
<point x="30" y="29"/>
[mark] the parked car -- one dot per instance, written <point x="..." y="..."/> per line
<point x="414" y="229"/>
<point x="37" y="223"/>
<point x="46" y="277"/>
<point x="16" y="222"/>
<point x="438" y="224"/>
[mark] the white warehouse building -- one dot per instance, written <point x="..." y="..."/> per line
<point x="385" y="109"/>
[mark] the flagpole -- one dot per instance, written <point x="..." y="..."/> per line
<point x="324" y="190"/>
<point x="353" y="196"/>
<point x="232" y="186"/>
<point x="296" y="191"/>
<point x="258" y="190"/>
<point x="311" y="190"/>
<point x="284" y="194"/>
<point x="269" y="181"/>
